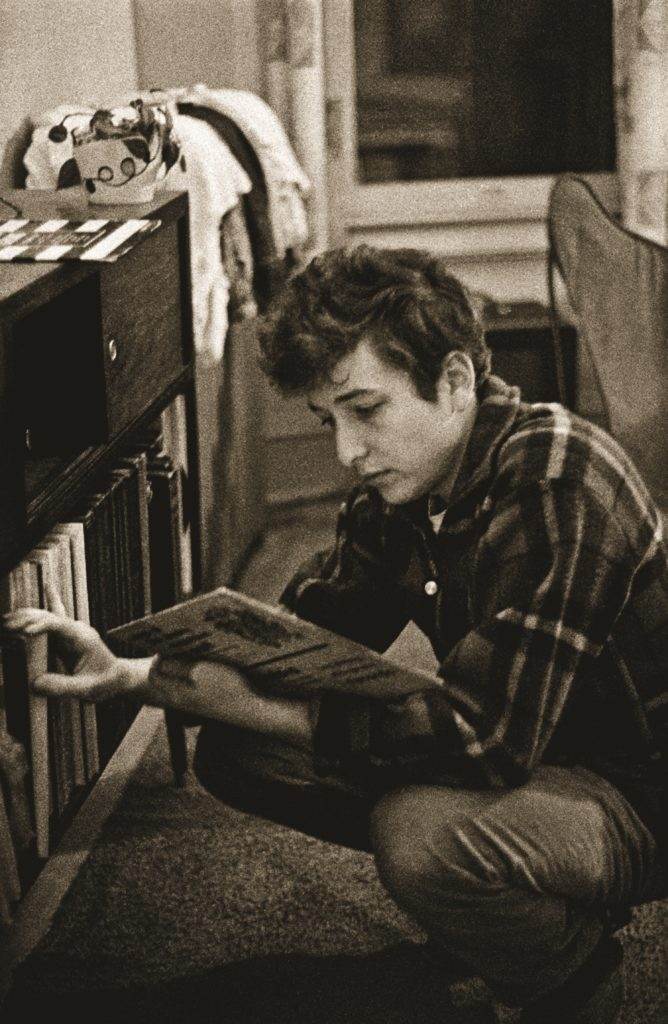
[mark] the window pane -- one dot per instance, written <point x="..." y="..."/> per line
<point x="479" y="88"/>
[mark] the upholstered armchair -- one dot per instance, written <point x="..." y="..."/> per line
<point x="615" y="286"/>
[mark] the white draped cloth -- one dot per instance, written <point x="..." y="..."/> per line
<point x="286" y="182"/>
<point x="214" y="181"/>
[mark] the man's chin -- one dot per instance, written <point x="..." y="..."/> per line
<point x="395" y="491"/>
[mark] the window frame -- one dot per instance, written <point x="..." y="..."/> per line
<point x="509" y="211"/>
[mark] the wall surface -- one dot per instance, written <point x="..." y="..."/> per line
<point x="55" y="51"/>
<point x="181" y="42"/>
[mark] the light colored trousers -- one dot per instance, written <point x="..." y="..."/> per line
<point x="515" y="883"/>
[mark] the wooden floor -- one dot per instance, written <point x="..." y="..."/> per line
<point x="288" y="542"/>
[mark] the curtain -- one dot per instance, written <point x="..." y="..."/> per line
<point x="296" y="92"/>
<point x="641" y="108"/>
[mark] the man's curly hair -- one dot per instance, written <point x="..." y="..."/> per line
<point x="404" y="300"/>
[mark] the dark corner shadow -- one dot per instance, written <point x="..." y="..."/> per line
<point x="276" y="989"/>
<point x="12" y="169"/>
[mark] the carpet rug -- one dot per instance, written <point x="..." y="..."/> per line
<point x="188" y="910"/>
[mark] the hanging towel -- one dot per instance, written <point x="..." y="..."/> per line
<point x="269" y="269"/>
<point x="215" y="181"/>
<point x="237" y="258"/>
<point x="286" y="181"/>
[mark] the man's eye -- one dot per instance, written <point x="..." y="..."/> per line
<point x="326" y="421"/>
<point x="365" y="412"/>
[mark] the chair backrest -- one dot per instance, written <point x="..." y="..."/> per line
<point x="617" y="286"/>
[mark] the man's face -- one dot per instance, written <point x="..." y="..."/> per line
<point x="395" y="440"/>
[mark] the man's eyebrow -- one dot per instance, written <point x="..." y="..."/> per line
<point x="346" y="397"/>
<point x="352" y="394"/>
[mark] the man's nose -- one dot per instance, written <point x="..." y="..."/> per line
<point x="350" y="446"/>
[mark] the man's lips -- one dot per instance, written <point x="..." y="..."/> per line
<point x="369" y="478"/>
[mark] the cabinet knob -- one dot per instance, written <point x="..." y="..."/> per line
<point x="113" y="350"/>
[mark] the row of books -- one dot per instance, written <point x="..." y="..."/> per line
<point x="119" y="555"/>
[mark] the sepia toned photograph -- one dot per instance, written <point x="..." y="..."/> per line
<point x="333" y="489"/>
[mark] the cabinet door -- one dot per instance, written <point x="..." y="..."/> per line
<point x="60" y="372"/>
<point x="142" y="342"/>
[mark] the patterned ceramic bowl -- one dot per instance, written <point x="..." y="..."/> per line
<point x="122" y="153"/>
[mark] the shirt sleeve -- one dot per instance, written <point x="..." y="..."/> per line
<point x="550" y="576"/>
<point x="348" y="588"/>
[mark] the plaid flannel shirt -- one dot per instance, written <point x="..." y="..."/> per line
<point x="544" y="596"/>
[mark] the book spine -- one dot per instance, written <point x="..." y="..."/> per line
<point x="37" y="662"/>
<point x="112" y="555"/>
<point x="130" y="568"/>
<point x="142" y="501"/>
<point x="72" y="705"/>
<point x="76" y="535"/>
<point x="121" y="512"/>
<point x="60" y="753"/>
<point x="120" y="479"/>
<point x="14" y="726"/>
<point x="10" y="885"/>
<point x="176" y="447"/>
<point x="137" y="494"/>
<point x="165" y="523"/>
<point x="102" y="584"/>
<point x="93" y="514"/>
<point x="164" y="518"/>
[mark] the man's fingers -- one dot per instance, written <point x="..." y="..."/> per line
<point x="32" y="621"/>
<point x="18" y="618"/>
<point x="27" y="620"/>
<point x="85" y="687"/>
<point x="53" y="601"/>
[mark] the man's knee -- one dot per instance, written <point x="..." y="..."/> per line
<point x="416" y="850"/>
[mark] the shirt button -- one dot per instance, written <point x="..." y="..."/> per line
<point x="431" y="588"/>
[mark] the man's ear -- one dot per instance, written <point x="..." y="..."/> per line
<point x="459" y="378"/>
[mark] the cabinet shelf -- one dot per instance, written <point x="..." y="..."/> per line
<point x="92" y="354"/>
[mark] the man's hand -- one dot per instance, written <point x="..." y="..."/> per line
<point x="214" y="690"/>
<point x="95" y="673"/>
<point x="206" y="689"/>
